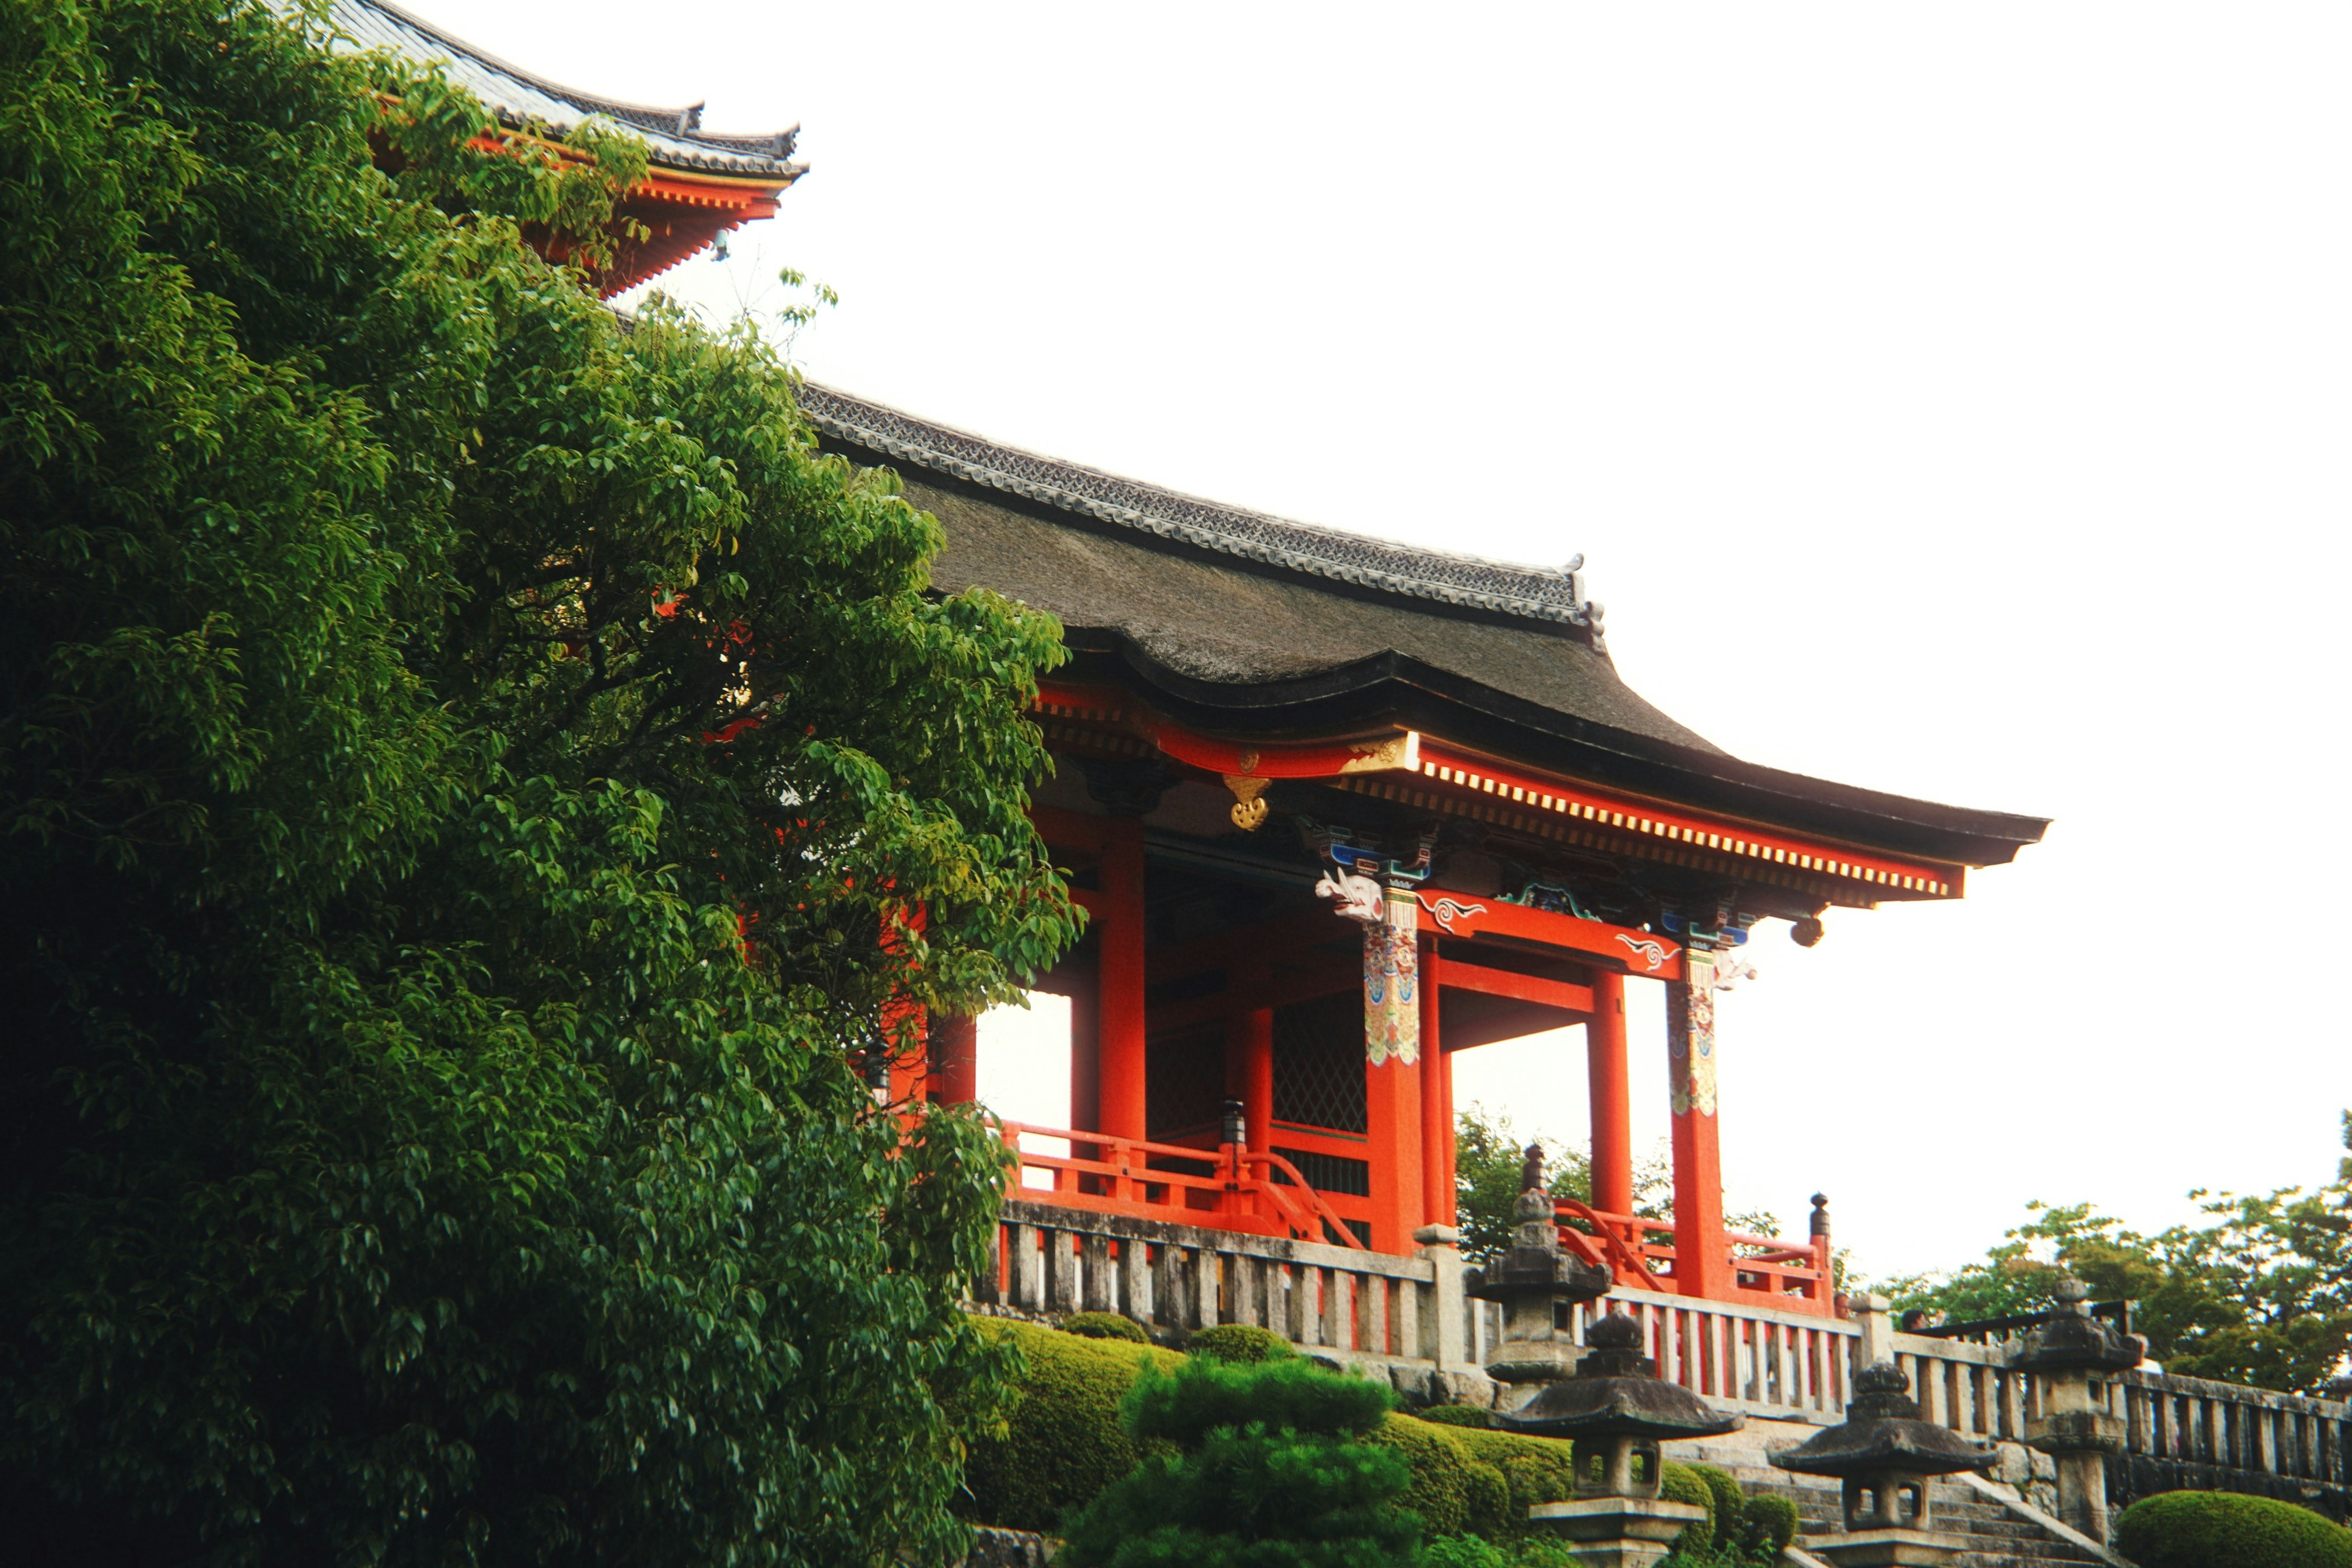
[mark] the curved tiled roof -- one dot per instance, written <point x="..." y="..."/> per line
<point x="675" y="136"/>
<point x="1532" y="592"/>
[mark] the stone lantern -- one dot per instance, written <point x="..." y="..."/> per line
<point x="1617" y="1410"/>
<point x="2071" y="1355"/>
<point x="1886" y="1455"/>
<point x="1533" y="1281"/>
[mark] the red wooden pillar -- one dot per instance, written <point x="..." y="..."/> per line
<point x="1392" y="1126"/>
<point x="1249" y="1073"/>
<point x="955" y="1059"/>
<point x="1436" y="1101"/>
<point x="1612" y="1091"/>
<point x="1702" y="1258"/>
<point x="1450" y="1214"/>
<point x="1119" y="1040"/>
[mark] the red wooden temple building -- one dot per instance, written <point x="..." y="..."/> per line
<point x="1339" y="809"/>
<point x="698" y="184"/>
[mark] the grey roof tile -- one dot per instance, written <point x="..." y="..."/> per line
<point x="517" y="96"/>
<point x="1532" y="592"/>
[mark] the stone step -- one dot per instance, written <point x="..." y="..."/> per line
<point x="1996" y="1537"/>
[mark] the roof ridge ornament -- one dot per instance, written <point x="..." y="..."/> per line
<point x="1584" y="610"/>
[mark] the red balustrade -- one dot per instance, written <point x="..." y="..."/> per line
<point x="1765" y="1271"/>
<point x="1223" y="1187"/>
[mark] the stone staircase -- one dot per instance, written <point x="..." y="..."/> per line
<point x="1998" y="1537"/>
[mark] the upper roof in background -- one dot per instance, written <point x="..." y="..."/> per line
<point x="675" y="136"/>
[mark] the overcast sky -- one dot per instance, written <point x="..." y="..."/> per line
<point x="1949" y="401"/>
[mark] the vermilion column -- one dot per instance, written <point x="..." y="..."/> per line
<point x="1611" y="1093"/>
<point x="1702" y="1259"/>
<point x="1392" y="1122"/>
<point x="1436" y="1101"/>
<point x="1452" y="1188"/>
<point x="1257" y="1088"/>
<point x="955" y="1059"/>
<point x="1119" y="1077"/>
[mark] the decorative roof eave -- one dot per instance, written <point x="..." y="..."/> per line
<point x="1428" y="774"/>
<point x="1484" y="723"/>
<point x="1532" y="593"/>
<point x="674" y="138"/>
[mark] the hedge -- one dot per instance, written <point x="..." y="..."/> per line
<point x="1105" y="1326"/>
<point x="1535" y="1469"/>
<point x="1239" y="1342"/>
<point x="1453" y="1493"/>
<point x="1529" y="1552"/>
<point x="1680" y="1483"/>
<point x="1455" y="1415"/>
<point x="1726" y="1503"/>
<point x="2226" y="1529"/>
<point x="1062" y="1442"/>
<point x="1768" y="1524"/>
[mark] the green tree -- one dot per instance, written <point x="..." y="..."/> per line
<point x="1269" y="1475"/>
<point x="480" y="793"/>
<point x="2259" y="1293"/>
<point x="1489" y="1155"/>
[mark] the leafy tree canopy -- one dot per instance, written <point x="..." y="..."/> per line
<point x="478" y="785"/>
<point x="1488" y="1155"/>
<point x="2259" y="1293"/>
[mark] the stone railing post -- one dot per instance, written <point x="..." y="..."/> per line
<point x="1448" y="1335"/>
<point x="1875" y="1340"/>
<point x="2074" y="1356"/>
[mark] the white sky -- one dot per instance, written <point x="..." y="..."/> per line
<point x="1948" y="400"/>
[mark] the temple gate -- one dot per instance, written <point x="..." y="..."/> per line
<point x="1339" y="809"/>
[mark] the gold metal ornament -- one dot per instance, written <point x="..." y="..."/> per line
<point x="1248" y="809"/>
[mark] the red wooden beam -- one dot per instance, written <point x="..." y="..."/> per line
<point x="1637" y="951"/>
<point x="1889" y="876"/>
<point x="1460" y="976"/>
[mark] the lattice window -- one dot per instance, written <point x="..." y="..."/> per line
<point x="1319" y="1063"/>
<point x="1184" y="1081"/>
<point x="1327" y="1172"/>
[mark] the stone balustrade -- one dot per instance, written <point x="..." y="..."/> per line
<point x="1413" y="1313"/>
<point x="1342" y="1302"/>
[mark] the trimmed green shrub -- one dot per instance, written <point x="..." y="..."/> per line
<point x="1767" y="1525"/>
<point x="1239" y="1342"/>
<point x="1268" y="1474"/>
<point x="1470" y="1552"/>
<point x="1463" y="1551"/>
<point x="1726" y="1502"/>
<point x="1678" y="1483"/>
<point x="1062" y="1441"/>
<point x="2225" y="1529"/>
<point x="1201" y="1396"/>
<point x="1453" y="1415"/>
<point x="1534" y="1470"/>
<point x="1105" y="1326"/>
<point x="1450" y="1490"/>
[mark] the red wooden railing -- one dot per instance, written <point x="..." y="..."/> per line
<point x="1225" y="1187"/>
<point x="1764" y="1269"/>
